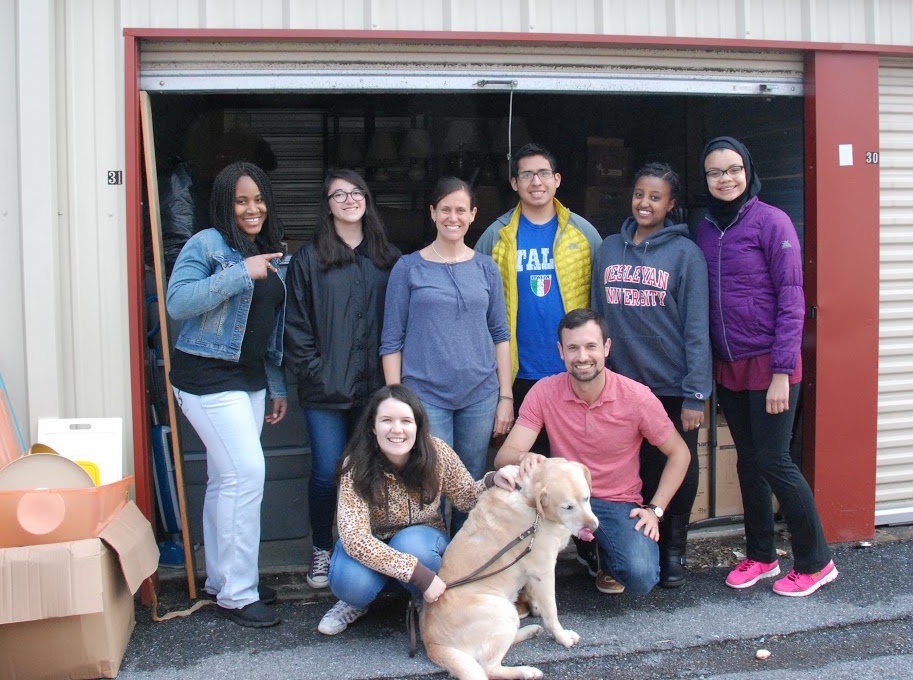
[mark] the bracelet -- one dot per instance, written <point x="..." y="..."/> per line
<point x="501" y="396"/>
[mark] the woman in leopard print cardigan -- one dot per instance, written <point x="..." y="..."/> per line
<point x="391" y="479"/>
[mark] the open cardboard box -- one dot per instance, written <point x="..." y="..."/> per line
<point x="66" y="609"/>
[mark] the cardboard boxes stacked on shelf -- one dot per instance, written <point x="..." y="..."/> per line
<point x="609" y="172"/>
<point x="71" y="560"/>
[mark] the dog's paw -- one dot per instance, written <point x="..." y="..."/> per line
<point x="568" y="638"/>
<point x="529" y="672"/>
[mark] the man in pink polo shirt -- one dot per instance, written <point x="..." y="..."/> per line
<point x="600" y="418"/>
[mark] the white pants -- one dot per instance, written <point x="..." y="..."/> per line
<point x="229" y="424"/>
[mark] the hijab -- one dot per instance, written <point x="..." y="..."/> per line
<point x="725" y="212"/>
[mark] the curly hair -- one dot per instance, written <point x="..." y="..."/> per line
<point x="222" y="210"/>
<point x="332" y="251"/>
<point x="368" y="464"/>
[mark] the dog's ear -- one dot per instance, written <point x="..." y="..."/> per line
<point x="589" y="477"/>
<point x="542" y="500"/>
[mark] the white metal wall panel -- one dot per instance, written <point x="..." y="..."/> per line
<point x="838" y="21"/>
<point x="895" y="22"/>
<point x="12" y="337"/>
<point x="776" y="20"/>
<point x="91" y="142"/>
<point x="894" y="472"/>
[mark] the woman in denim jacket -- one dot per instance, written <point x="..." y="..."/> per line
<point x="227" y="289"/>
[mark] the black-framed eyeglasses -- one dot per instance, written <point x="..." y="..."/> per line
<point x="732" y="171"/>
<point x="341" y="196"/>
<point x="527" y="175"/>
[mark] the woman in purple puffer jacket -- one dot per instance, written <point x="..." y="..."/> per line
<point x="757" y="310"/>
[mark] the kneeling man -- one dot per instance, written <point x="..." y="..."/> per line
<point x="600" y="418"/>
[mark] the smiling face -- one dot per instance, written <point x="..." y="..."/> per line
<point x="350" y="211"/>
<point x="727" y="187"/>
<point x="452" y="216"/>
<point x="651" y="202"/>
<point x="584" y="351"/>
<point x="395" y="428"/>
<point x="250" y="207"/>
<point x="535" y="192"/>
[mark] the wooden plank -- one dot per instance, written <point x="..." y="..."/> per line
<point x="155" y="218"/>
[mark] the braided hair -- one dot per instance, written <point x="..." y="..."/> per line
<point x="222" y="211"/>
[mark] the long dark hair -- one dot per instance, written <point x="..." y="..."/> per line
<point x="664" y="171"/>
<point x="368" y="464"/>
<point x="332" y="251"/>
<point x="222" y="211"/>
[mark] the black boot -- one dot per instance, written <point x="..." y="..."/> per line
<point x="673" y="538"/>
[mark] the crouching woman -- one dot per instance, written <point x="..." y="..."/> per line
<point x="391" y="478"/>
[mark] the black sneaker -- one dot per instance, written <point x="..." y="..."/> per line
<point x="267" y="595"/>
<point x="254" y="615"/>
<point x="588" y="555"/>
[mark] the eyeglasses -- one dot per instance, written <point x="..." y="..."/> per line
<point x="732" y="171"/>
<point x="341" y="196"/>
<point x="527" y="175"/>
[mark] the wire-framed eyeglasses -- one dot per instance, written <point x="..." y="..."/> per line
<point x="732" y="171"/>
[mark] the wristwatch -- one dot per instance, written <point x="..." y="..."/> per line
<point x="658" y="511"/>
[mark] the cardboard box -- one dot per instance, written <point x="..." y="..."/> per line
<point x="66" y="609"/>
<point x="38" y="516"/>
<point x="701" y="507"/>
<point x="728" y="492"/>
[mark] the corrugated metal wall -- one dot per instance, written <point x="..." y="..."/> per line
<point x="894" y="474"/>
<point x="857" y="21"/>
<point x="72" y="355"/>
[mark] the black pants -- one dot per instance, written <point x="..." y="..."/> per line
<point x="520" y="389"/>
<point x="764" y="464"/>
<point x="653" y="462"/>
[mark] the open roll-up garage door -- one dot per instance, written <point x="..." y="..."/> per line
<point x="320" y="104"/>
<point x="894" y="474"/>
<point x="403" y="114"/>
<point x="294" y="66"/>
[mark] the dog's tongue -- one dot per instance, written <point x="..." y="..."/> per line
<point x="585" y="534"/>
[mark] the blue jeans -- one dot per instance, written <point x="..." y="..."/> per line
<point x="358" y="585"/>
<point x="468" y="432"/>
<point x="628" y="556"/>
<point x="329" y="431"/>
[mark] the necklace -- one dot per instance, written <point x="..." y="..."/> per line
<point x="450" y="262"/>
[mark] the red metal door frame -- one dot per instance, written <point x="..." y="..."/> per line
<point x="841" y="268"/>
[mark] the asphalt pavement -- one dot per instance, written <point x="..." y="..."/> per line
<point x="859" y="627"/>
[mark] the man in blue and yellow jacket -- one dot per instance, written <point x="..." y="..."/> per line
<point x="545" y="255"/>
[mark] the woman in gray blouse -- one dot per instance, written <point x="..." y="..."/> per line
<point x="446" y="336"/>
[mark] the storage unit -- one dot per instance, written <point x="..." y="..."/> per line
<point x="73" y="343"/>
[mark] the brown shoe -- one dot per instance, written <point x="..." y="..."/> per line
<point x="523" y="608"/>
<point x="606" y="584"/>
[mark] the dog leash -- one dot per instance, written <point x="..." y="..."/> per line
<point x="478" y="576"/>
<point x="412" y="611"/>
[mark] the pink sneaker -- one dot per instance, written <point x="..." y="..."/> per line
<point x="800" y="585"/>
<point x="750" y="572"/>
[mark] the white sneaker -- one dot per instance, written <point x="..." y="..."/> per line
<point x="319" y="573"/>
<point x="339" y="617"/>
